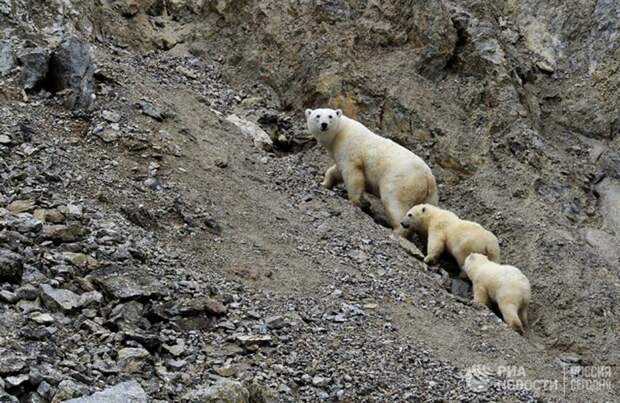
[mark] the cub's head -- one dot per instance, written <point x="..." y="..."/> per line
<point x="322" y="123"/>
<point x="416" y="216"/>
<point x="472" y="262"/>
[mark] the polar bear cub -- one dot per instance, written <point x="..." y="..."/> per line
<point x="365" y="161"/>
<point x="445" y="230"/>
<point x="503" y="284"/>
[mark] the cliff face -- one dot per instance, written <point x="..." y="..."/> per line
<point x="514" y="105"/>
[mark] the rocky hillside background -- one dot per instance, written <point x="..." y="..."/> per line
<point x="163" y="236"/>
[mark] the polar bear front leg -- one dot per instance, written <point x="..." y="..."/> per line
<point x="435" y="246"/>
<point x="332" y="177"/>
<point x="480" y="295"/>
<point x="355" y="183"/>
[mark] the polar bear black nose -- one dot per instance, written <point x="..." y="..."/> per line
<point x="323" y="125"/>
<point x="404" y="224"/>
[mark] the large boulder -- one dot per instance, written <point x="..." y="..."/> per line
<point x="72" y="66"/>
<point x="35" y="63"/>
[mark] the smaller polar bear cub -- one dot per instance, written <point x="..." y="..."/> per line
<point x="445" y="230"/>
<point x="503" y="284"/>
<point x="367" y="162"/>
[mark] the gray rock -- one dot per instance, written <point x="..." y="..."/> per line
<point x="59" y="299"/>
<point x="6" y="398"/>
<point x="151" y="110"/>
<point x="43" y="318"/>
<point x="7" y="58"/>
<point x="16" y="380"/>
<point x="90" y="298"/>
<point x="261" y="139"/>
<point x="223" y="391"/>
<point x="126" y="392"/>
<point x="111" y="116"/>
<point x="11" y="364"/>
<point x="28" y="292"/>
<point x="23" y="223"/>
<point x="35" y="63"/>
<point x="11" y="266"/>
<point x="129" y="286"/>
<point x="320" y="381"/>
<point x="45" y="390"/>
<point x="68" y="389"/>
<point x="132" y="360"/>
<point x="8" y="296"/>
<point x="72" y="66"/>
<point x="275" y="322"/>
<point x="63" y="233"/>
<point x="460" y="288"/>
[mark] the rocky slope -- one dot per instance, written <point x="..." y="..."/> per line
<point x="163" y="236"/>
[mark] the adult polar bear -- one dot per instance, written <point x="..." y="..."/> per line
<point x="368" y="162"/>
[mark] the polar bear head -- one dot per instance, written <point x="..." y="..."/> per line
<point x="417" y="217"/>
<point x="323" y="123"/>
<point x="472" y="262"/>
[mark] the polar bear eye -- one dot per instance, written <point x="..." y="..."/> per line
<point x="318" y="116"/>
<point x="330" y="116"/>
<point x="409" y="215"/>
<point x="423" y="209"/>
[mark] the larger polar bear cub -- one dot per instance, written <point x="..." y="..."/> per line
<point x="368" y="162"/>
<point x="445" y="230"/>
<point x="503" y="284"/>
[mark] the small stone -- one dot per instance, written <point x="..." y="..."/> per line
<point x="275" y="322"/>
<point x="80" y="259"/>
<point x="63" y="233"/>
<point x="125" y="286"/>
<point x="226" y="371"/>
<point x="151" y="110"/>
<point x="132" y="360"/>
<point x="8" y="297"/>
<point x="4" y="139"/>
<point x="10" y="365"/>
<point x="254" y="340"/>
<point x="68" y="389"/>
<point x="43" y="318"/>
<point x="27" y="292"/>
<point x="110" y="116"/>
<point x="11" y="267"/>
<point x="90" y="298"/>
<point x="108" y="135"/>
<point x="52" y="216"/>
<point x="20" y="206"/>
<point x="17" y="380"/>
<point x="320" y="381"/>
<point x="126" y="392"/>
<point x="177" y="350"/>
<point x="545" y="67"/>
<point x="176" y="364"/>
<point x="59" y="299"/>
<point x="224" y="390"/>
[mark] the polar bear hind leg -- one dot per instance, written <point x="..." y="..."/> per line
<point x="511" y="317"/>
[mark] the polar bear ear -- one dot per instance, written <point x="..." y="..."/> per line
<point x="308" y="112"/>
<point x="338" y="112"/>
